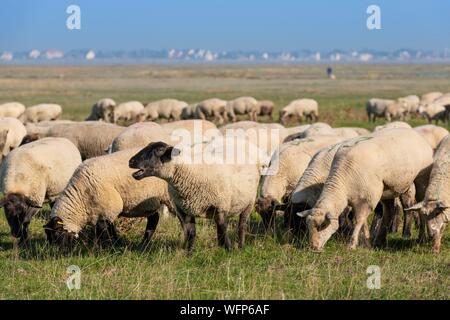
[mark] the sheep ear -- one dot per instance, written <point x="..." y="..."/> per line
<point x="416" y="207"/>
<point x="170" y="153"/>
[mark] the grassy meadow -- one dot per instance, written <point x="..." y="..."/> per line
<point x="269" y="267"/>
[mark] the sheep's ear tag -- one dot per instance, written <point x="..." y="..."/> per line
<point x="60" y="222"/>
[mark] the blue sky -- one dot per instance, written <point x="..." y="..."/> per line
<point x="224" y="24"/>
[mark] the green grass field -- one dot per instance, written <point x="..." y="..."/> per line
<point x="269" y="267"/>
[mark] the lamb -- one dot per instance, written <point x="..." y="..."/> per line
<point x="33" y="174"/>
<point x="101" y="190"/>
<point x="243" y="106"/>
<point x="286" y="167"/>
<point x="436" y="203"/>
<point x="359" y="180"/>
<point x="12" y="132"/>
<point x="433" y="134"/>
<point x="377" y="108"/>
<point x="92" y="138"/>
<point x="205" y="189"/>
<point x="128" y="111"/>
<point x="103" y="110"/>
<point x="170" y="109"/>
<point x="41" y="112"/>
<point x="300" y="109"/>
<point x="11" y="109"/>
<point x="212" y="109"/>
<point x="265" y="108"/>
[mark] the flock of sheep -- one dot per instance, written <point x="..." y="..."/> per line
<point x="323" y="179"/>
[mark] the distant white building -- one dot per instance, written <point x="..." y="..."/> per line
<point x="54" y="54"/>
<point x="6" y="56"/>
<point x="365" y="57"/>
<point x="34" y="54"/>
<point x="90" y="55"/>
<point x="265" y="56"/>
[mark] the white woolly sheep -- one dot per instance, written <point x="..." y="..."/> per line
<point x="286" y="167"/>
<point x="436" y="203"/>
<point x="92" y="138"/>
<point x="376" y="108"/>
<point x="433" y="134"/>
<point x="212" y="109"/>
<point x="170" y="109"/>
<point x="41" y="112"/>
<point x="360" y="180"/>
<point x="433" y="111"/>
<point x="101" y="190"/>
<point x="33" y="174"/>
<point x="11" y="109"/>
<point x="300" y="109"/>
<point x="243" y="106"/>
<point x="103" y="110"/>
<point x="393" y="125"/>
<point x="203" y="189"/>
<point x="128" y="111"/>
<point x="411" y="104"/>
<point x="12" y="132"/>
<point x="266" y="108"/>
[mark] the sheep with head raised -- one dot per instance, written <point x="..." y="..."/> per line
<point x="12" y="132"/>
<point x="100" y="190"/>
<point x="41" y="112"/>
<point x="217" y="186"/>
<point x="382" y="166"/>
<point x="33" y="174"/>
<point x="11" y="109"/>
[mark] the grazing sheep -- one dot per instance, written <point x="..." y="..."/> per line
<point x="436" y="203"/>
<point x="300" y="109"/>
<point x="396" y="110"/>
<point x="393" y="125"/>
<point x="170" y="109"/>
<point x="103" y="110"/>
<point x="433" y="111"/>
<point x="101" y="190"/>
<point x="12" y="132"/>
<point x="286" y="167"/>
<point x="411" y="103"/>
<point x="360" y="180"/>
<point x="41" y="112"/>
<point x="205" y="189"/>
<point x="32" y="174"/>
<point x="212" y="109"/>
<point x="92" y="138"/>
<point x="433" y="134"/>
<point x="11" y="109"/>
<point x="128" y="111"/>
<point x="243" y="106"/>
<point x="265" y="108"/>
<point x="377" y="108"/>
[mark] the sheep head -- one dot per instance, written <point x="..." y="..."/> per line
<point x="150" y="160"/>
<point x="19" y="210"/>
<point x="56" y="234"/>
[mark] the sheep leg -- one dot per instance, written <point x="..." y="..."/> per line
<point x="361" y="215"/>
<point x="152" y="223"/>
<point x="222" y="236"/>
<point x="345" y="222"/>
<point x="242" y="229"/>
<point x="376" y="221"/>
<point x="189" y="232"/>
<point x="422" y="228"/>
<point x="386" y="222"/>
<point x="105" y="232"/>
